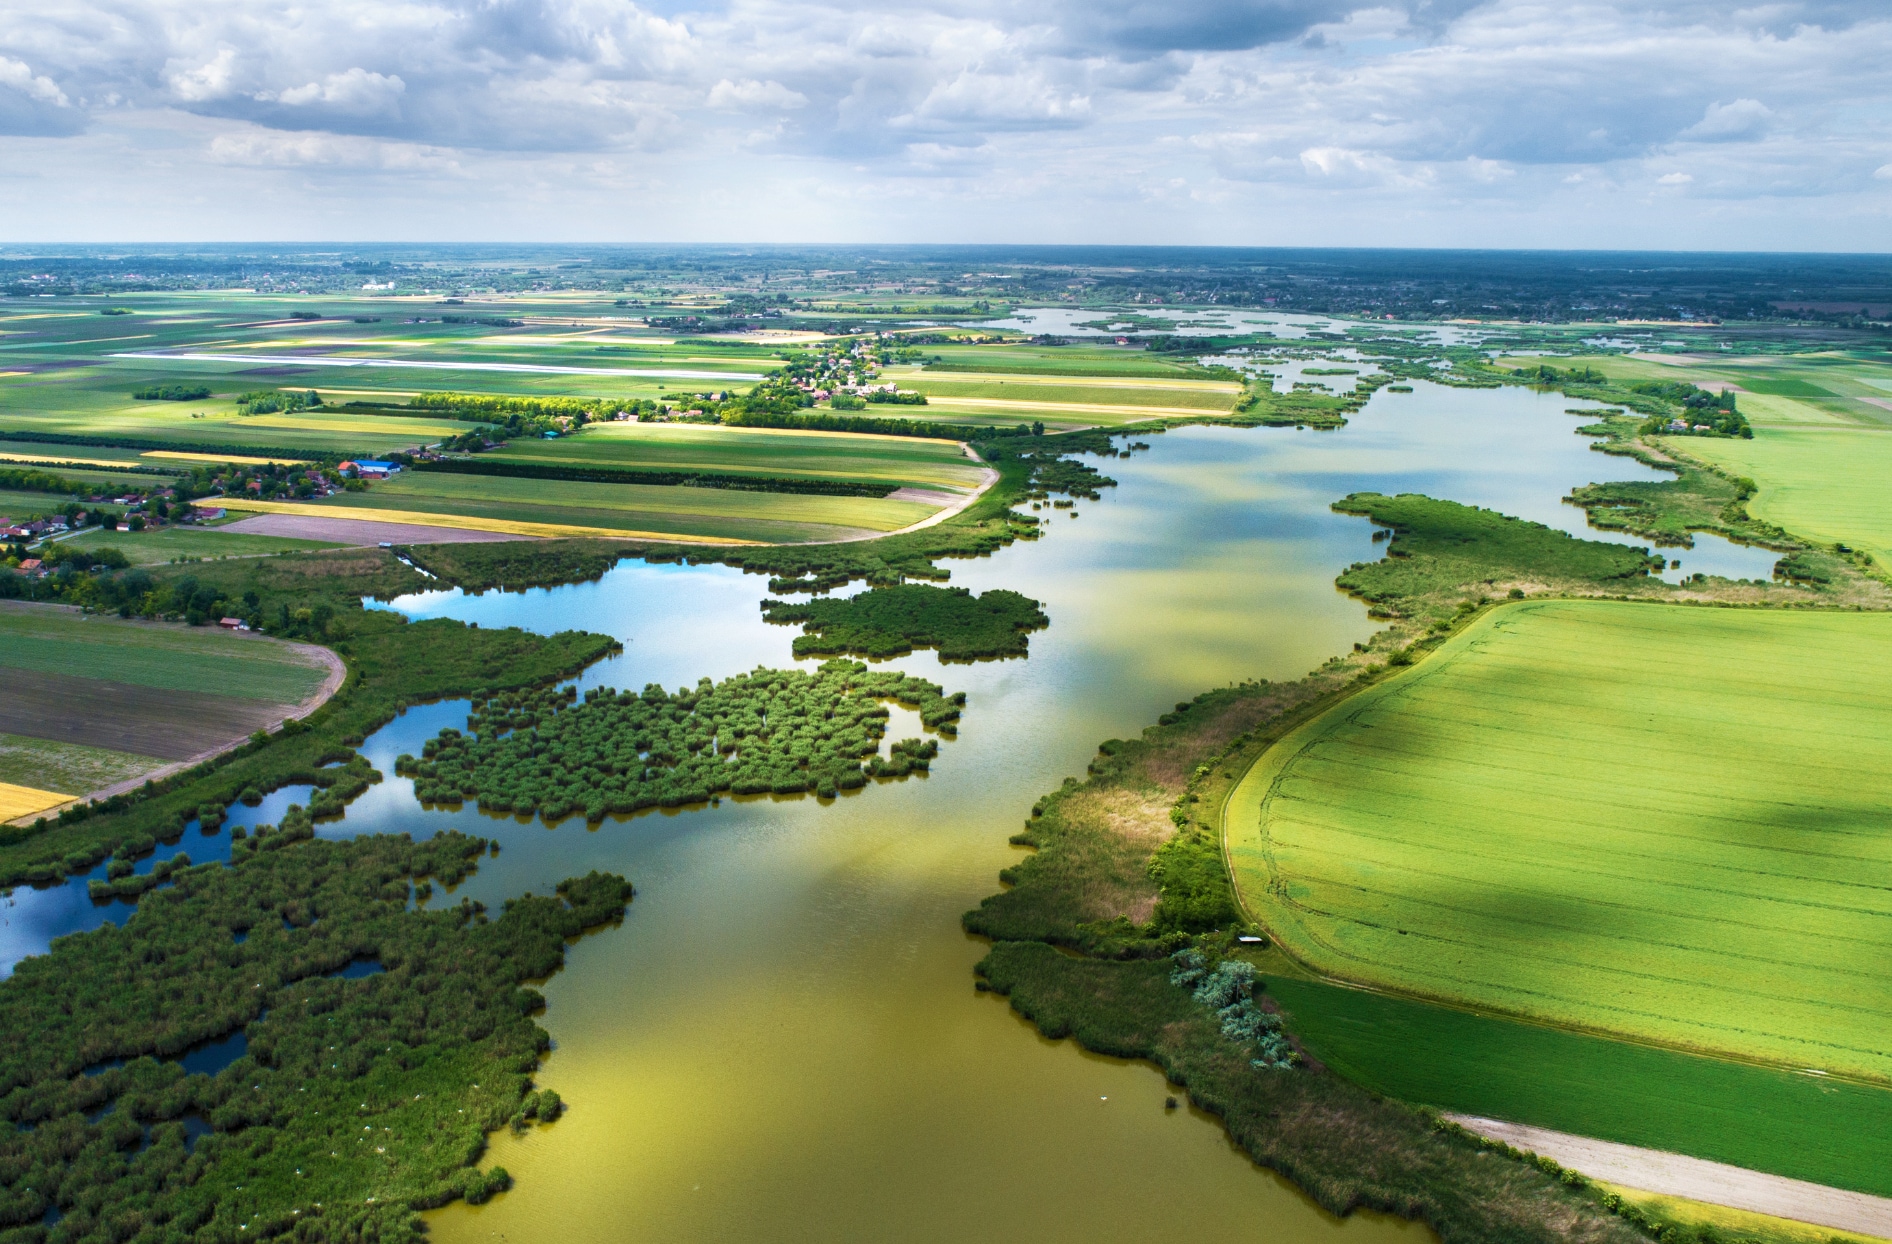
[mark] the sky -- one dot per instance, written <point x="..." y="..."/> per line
<point x="1662" y="124"/>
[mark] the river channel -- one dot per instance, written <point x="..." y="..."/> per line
<point x="782" y="1040"/>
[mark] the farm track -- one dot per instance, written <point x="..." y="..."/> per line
<point x="1714" y="1183"/>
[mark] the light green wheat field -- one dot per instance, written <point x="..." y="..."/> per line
<point x="1663" y="822"/>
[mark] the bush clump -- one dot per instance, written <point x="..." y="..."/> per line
<point x="768" y="731"/>
<point x="890" y="621"/>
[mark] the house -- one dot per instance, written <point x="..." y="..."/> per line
<point x="207" y="512"/>
<point x="233" y="624"/>
<point x="30" y="566"/>
<point x="376" y="470"/>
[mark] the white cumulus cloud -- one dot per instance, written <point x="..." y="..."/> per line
<point x="751" y="95"/>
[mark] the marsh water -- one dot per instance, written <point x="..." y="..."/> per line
<point x="782" y="1040"/>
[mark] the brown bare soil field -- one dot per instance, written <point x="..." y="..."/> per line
<point x="360" y="532"/>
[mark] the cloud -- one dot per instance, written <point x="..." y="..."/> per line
<point x="1720" y="123"/>
<point x="213" y="79"/>
<point x="1883" y="172"/>
<point x="32" y="103"/>
<point x="1433" y="104"/>
<point x="1674" y="179"/>
<point x="355" y="91"/>
<point x="750" y="95"/>
<point x="268" y="149"/>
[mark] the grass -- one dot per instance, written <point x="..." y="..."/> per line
<point x="1819" y="1129"/>
<point x="1439" y="546"/>
<point x="1068" y="927"/>
<point x="1733" y="1226"/>
<point x="909" y="461"/>
<point x="635" y="507"/>
<point x="164" y="544"/>
<point x="1567" y="813"/>
<point x="183" y="425"/>
<point x="56" y="640"/>
<point x="58" y="766"/>
<point x="18" y="504"/>
<point x="1823" y="483"/>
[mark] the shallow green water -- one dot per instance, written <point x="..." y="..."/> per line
<point x="782" y="1041"/>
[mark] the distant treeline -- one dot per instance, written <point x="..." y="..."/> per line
<point x="171" y="393"/>
<point x="395" y="408"/>
<point x="493" y="404"/>
<point x="491" y="321"/>
<point x="632" y="475"/>
<point x="32" y="479"/>
<point x="880" y="426"/>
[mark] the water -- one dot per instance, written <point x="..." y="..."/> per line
<point x="782" y="1041"/>
<point x="1216" y="321"/>
<point x="30" y="918"/>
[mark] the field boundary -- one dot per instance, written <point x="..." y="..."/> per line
<point x="1697" y="1179"/>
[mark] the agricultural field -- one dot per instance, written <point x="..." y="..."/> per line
<point x="1568" y="813"/>
<point x="95" y="412"/>
<point x="58" y="640"/>
<point x="575" y="507"/>
<point x="1784" y="1122"/>
<point x="66" y="369"/>
<point x="19" y="505"/>
<point x="169" y="544"/>
<point x="1825" y="483"/>
<point x="55" y="768"/>
<point x="903" y="461"/>
<point x="88" y="701"/>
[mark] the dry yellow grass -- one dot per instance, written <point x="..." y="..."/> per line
<point x="19" y="801"/>
<point x="181" y="456"/>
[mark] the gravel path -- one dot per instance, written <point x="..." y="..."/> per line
<point x="1671" y="1174"/>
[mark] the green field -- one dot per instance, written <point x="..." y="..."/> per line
<point x="1805" y="1127"/>
<point x="211" y="422"/>
<point x="63" y="367"/>
<point x="767" y="516"/>
<point x="166" y="544"/>
<point x="1827" y="483"/>
<point x="905" y="460"/>
<point x="43" y="764"/>
<point x="1663" y="822"/>
<point x="19" y="505"/>
<point x="56" y="640"/>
